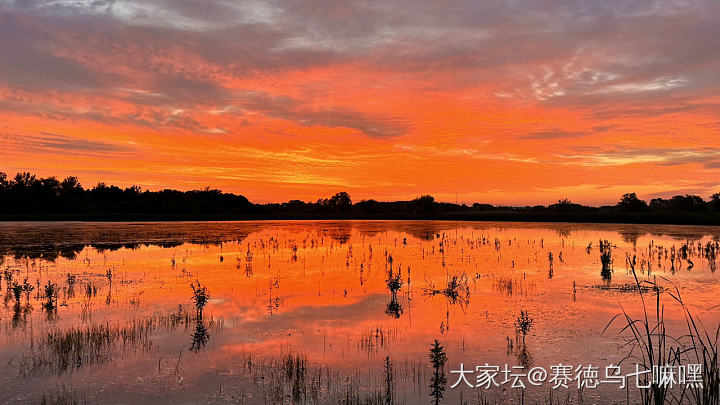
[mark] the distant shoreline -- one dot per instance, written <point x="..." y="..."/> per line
<point x="27" y="197"/>
<point x="690" y="218"/>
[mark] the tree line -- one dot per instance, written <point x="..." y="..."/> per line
<point x="27" y="196"/>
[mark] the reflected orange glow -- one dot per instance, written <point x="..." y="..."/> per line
<point x="321" y="289"/>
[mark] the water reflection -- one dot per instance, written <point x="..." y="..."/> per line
<point x="200" y="337"/>
<point x="99" y="302"/>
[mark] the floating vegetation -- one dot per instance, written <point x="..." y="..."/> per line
<point x="456" y="290"/>
<point x="627" y="287"/>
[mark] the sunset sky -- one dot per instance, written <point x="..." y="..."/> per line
<point x="512" y="102"/>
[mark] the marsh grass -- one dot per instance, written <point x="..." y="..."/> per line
<point x="61" y="351"/>
<point x="510" y="286"/>
<point x="371" y="340"/>
<point x="703" y="348"/>
<point x="293" y="379"/>
<point x="63" y="396"/>
<point x="652" y="346"/>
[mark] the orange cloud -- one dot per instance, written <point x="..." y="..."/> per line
<point x="489" y="102"/>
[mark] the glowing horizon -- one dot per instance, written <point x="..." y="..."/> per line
<point x="500" y="102"/>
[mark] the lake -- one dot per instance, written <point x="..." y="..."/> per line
<point x="337" y="311"/>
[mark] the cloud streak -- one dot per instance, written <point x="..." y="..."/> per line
<point x="54" y="143"/>
<point x="495" y="95"/>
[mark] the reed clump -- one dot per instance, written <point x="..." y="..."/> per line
<point x="651" y="345"/>
<point x="457" y="289"/>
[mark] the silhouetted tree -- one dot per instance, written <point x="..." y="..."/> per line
<point x="368" y="206"/>
<point x="29" y="195"/>
<point x="340" y="202"/>
<point x="424" y="203"/>
<point x="295" y="206"/>
<point x="3" y="181"/>
<point x="565" y="205"/>
<point x="658" y="204"/>
<point x="715" y="201"/>
<point x="687" y="203"/>
<point x="630" y="202"/>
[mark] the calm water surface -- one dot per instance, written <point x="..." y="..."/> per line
<point x="316" y="294"/>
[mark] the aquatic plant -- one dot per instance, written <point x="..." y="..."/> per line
<point x="63" y="397"/>
<point x="373" y="339"/>
<point x="605" y="259"/>
<point x="200" y="297"/>
<point x="550" y="265"/>
<point x="27" y="288"/>
<point x="394" y="283"/>
<point x="200" y="336"/>
<point x="438" y="357"/>
<point x="523" y="324"/>
<point x="71" y="280"/>
<point x="8" y="274"/>
<point x="394" y="308"/>
<point x="17" y="290"/>
<point x="63" y="350"/>
<point x="711" y="254"/>
<point x="457" y="289"/>
<point x="389" y="385"/>
<point x="703" y="350"/>
<point x="657" y="348"/>
<point x="51" y="292"/>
